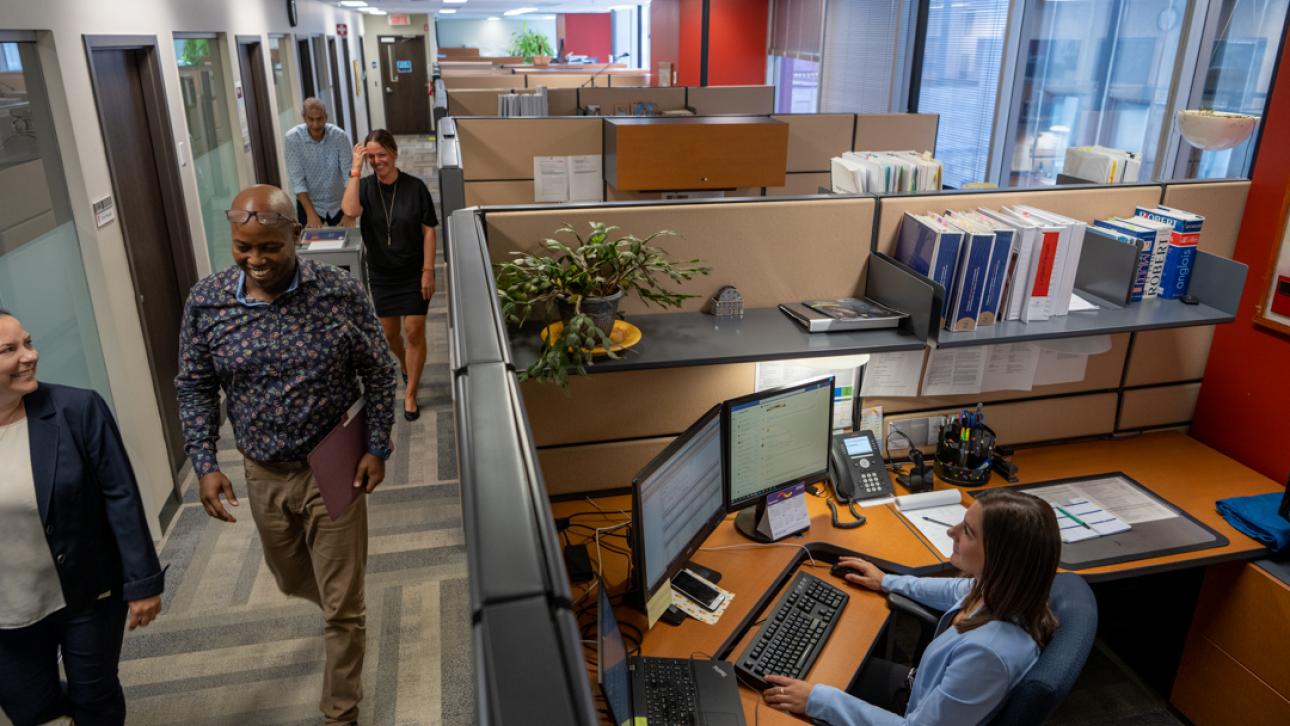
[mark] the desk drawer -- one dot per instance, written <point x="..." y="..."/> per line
<point x="1246" y="612"/>
<point x="1212" y="689"/>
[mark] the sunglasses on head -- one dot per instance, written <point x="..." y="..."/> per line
<point x="268" y="219"/>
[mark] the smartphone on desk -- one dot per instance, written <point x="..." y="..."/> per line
<point x="708" y="597"/>
<point x="857" y="468"/>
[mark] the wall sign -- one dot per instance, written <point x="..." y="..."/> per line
<point x="403" y="66"/>
<point x="104" y="210"/>
<point x="399" y="20"/>
<point x="342" y="29"/>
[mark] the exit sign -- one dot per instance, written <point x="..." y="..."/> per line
<point x="342" y="29"/>
<point x="400" y="20"/>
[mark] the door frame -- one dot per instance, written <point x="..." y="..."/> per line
<point x="175" y="212"/>
<point x="347" y="70"/>
<point x="337" y="89"/>
<point x="259" y="123"/>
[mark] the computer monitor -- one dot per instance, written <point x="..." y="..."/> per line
<point x="677" y="500"/>
<point x="775" y="439"/>
<point x="611" y="661"/>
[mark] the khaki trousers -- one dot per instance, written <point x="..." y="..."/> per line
<point x="321" y="560"/>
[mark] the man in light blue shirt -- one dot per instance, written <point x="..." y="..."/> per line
<point x="319" y="159"/>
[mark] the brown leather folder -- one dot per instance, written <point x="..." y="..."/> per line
<point x="335" y="459"/>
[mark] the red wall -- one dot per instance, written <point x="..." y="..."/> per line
<point x="588" y="34"/>
<point x="690" y="44"/>
<point x="736" y="40"/>
<point x="1244" y="405"/>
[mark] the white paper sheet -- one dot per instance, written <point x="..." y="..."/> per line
<point x="1057" y="367"/>
<point x="326" y="245"/>
<point x="1112" y="494"/>
<point x="1087" y="345"/>
<point x="1080" y="305"/>
<point x="892" y="374"/>
<point x="934" y="522"/>
<point x="551" y="178"/>
<point x="1010" y="367"/>
<point x="586" y="181"/>
<point x="774" y="374"/>
<point x="953" y="371"/>
<point x="871" y="420"/>
<point x="1093" y="520"/>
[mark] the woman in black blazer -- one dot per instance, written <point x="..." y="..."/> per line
<point x="75" y="552"/>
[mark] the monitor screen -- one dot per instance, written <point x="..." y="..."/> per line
<point x="678" y="500"/>
<point x="611" y="662"/>
<point x="776" y="439"/>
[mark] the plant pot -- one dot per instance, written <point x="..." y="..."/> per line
<point x="603" y="311"/>
<point x="541" y="60"/>
<point x="1215" y="130"/>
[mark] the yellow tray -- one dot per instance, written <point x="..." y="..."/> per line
<point x="624" y="335"/>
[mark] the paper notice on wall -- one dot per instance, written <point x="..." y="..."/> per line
<point x="892" y="374"/>
<point x="777" y="374"/>
<point x="1055" y="367"/>
<point x="1010" y="367"/>
<point x="954" y="371"/>
<point x="586" y="181"/>
<point x="551" y="178"/>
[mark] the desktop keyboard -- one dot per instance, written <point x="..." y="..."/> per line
<point x="794" y="633"/>
<point x="669" y="691"/>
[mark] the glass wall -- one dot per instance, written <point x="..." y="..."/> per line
<point x="42" y="275"/>
<point x="279" y="58"/>
<point x="211" y="135"/>
<point x="793" y="65"/>
<point x="864" y="56"/>
<point x="322" y="72"/>
<point x="963" y="53"/>
<point x="1237" y="79"/>
<point x="797" y="84"/>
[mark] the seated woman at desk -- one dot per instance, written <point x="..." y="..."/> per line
<point x="996" y="622"/>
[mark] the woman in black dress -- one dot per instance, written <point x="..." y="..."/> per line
<point x="397" y="220"/>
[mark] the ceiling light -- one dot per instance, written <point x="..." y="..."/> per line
<point x="352" y="4"/>
<point x="544" y="17"/>
<point x="374" y="11"/>
<point x="455" y="2"/>
<point x="519" y="11"/>
<point x="494" y="17"/>
<point x="446" y="11"/>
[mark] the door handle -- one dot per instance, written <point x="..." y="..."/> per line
<point x="389" y="90"/>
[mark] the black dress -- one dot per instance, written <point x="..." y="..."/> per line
<point x="396" y="253"/>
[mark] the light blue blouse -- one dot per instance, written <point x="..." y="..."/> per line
<point x="963" y="678"/>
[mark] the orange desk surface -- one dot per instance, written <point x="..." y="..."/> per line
<point x="1188" y="474"/>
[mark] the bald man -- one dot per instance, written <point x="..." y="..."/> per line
<point x="318" y="163"/>
<point x="293" y="344"/>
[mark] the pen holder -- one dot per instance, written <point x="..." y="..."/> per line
<point x="964" y="463"/>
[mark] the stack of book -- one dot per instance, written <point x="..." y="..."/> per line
<point x="1101" y="165"/>
<point x="885" y="172"/>
<point x="1166" y="240"/>
<point x="523" y="104"/>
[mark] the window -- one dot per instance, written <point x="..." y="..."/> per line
<point x="210" y="133"/>
<point x="864" y="54"/>
<point x="1236" y="78"/>
<point x="42" y="276"/>
<point x="962" y="57"/>
<point x="794" y="62"/>
<point x="279" y="57"/>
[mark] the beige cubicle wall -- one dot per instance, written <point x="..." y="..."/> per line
<point x="731" y="100"/>
<point x="893" y="131"/>
<point x="463" y="102"/>
<point x="564" y="80"/>
<point x="608" y="99"/>
<point x="482" y="81"/>
<point x="1144" y="380"/>
<point x="497" y="153"/>
<point x="629" y="80"/>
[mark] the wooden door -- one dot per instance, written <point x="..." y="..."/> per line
<point x="307" y="82"/>
<point x="403" y="82"/>
<point x="255" y="93"/>
<point x="132" y="112"/>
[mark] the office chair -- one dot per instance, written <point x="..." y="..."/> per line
<point x="1047" y="683"/>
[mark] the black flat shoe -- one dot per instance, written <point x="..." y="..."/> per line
<point x="412" y="415"/>
<point x="405" y="377"/>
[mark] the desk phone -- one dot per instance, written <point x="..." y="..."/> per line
<point x="857" y="469"/>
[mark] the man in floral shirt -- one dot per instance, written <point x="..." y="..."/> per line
<point x="289" y="341"/>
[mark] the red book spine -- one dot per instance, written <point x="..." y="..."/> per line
<point x="1047" y="256"/>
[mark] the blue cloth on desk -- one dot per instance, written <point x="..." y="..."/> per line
<point x="1257" y="516"/>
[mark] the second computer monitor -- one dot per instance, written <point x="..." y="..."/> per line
<point x="775" y="439"/>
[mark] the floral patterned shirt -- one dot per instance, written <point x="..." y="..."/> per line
<point x="289" y="369"/>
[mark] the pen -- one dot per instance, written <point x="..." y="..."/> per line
<point x="937" y="521"/>
<point x="1077" y="520"/>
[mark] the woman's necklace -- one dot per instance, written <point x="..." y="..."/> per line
<point x="388" y="211"/>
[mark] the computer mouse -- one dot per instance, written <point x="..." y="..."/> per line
<point x="840" y="571"/>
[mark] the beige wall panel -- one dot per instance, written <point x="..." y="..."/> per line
<point x="613" y="194"/>
<point x="484" y="193"/>
<point x="628" y="80"/>
<point x="744" y="243"/>
<point x="1024" y="422"/>
<point x="895" y="132"/>
<point x="815" y="138"/>
<point x="727" y="100"/>
<point x="608" y="406"/>
<point x="483" y="81"/>
<point x="1103" y="372"/>
<point x="1221" y="203"/>
<point x="503" y="148"/>
<point x="562" y="80"/>
<point x="1084" y="204"/>
<point x="666" y="99"/>
<point x="473" y="102"/>
<point x="562" y="101"/>
<point x="1143" y="407"/>
<point x="1174" y="354"/>
<point x="577" y="469"/>
<point x="801" y="183"/>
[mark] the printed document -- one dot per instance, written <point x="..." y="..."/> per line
<point x="892" y="374"/>
<point x="550" y="178"/>
<point x="933" y="514"/>
<point x="1010" y="367"/>
<point x="586" y="182"/>
<point x="953" y="371"/>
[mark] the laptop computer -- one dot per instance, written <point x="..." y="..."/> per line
<point x="662" y="691"/>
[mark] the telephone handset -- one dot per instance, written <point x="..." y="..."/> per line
<point x="857" y="468"/>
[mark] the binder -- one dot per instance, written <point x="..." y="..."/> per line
<point x="1070" y="246"/>
<point x="335" y="459"/>
<point x="1033" y="300"/>
<point x="1001" y="263"/>
<point x="931" y="247"/>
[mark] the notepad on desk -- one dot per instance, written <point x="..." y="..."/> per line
<point x="933" y="513"/>
<point x="1081" y="519"/>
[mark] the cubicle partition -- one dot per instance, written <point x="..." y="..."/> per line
<point x="465" y="95"/>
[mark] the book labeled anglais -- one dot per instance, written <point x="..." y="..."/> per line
<point x="838" y="314"/>
<point x="1175" y="277"/>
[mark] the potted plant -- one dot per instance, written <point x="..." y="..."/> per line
<point x="531" y="45"/>
<point x="584" y="282"/>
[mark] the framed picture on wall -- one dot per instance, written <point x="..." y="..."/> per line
<point x="1274" y="310"/>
